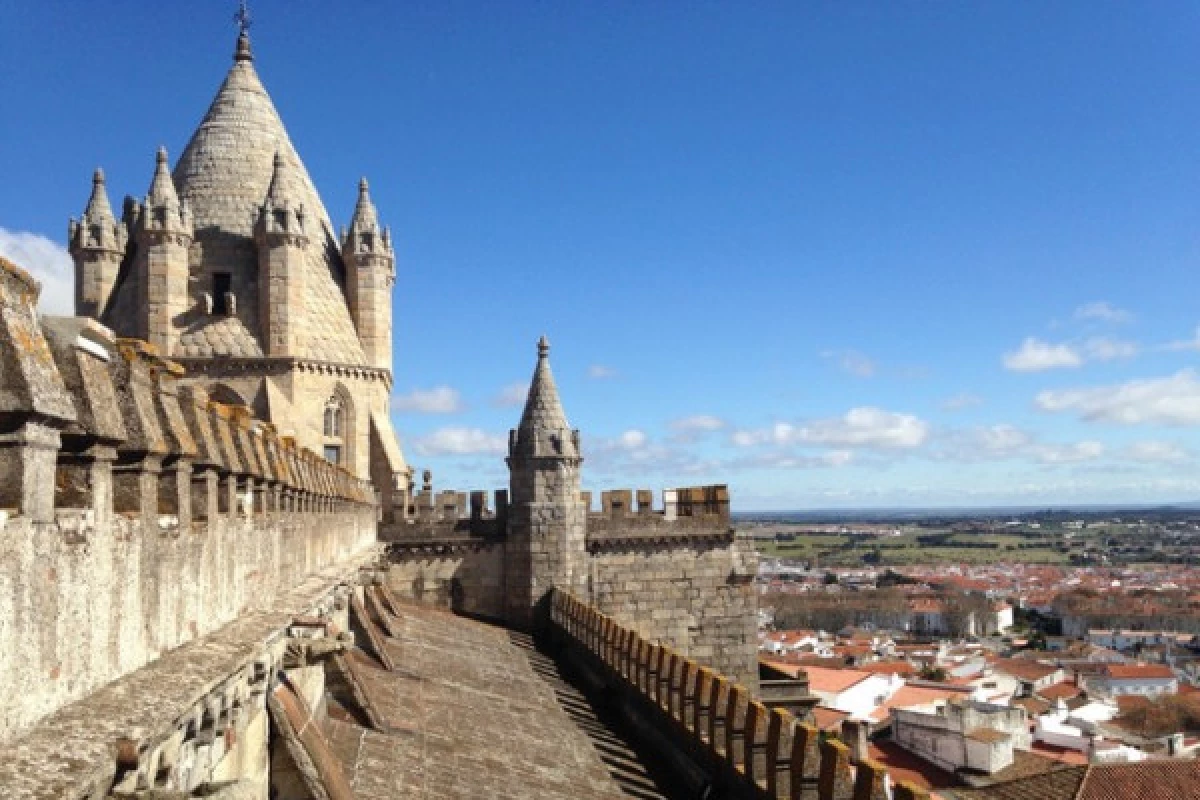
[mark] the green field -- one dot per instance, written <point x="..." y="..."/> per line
<point x="959" y="548"/>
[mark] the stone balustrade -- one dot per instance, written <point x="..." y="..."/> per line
<point x="758" y="752"/>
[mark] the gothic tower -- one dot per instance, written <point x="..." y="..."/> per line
<point x="235" y="270"/>
<point x="282" y="240"/>
<point x="97" y="243"/>
<point x="370" y="274"/>
<point x="547" y="520"/>
<point x="163" y="234"/>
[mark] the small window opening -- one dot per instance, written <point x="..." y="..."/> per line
<point x="222" y="285"/>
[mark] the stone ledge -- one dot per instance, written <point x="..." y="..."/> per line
<point x="73" y="752"/>
<point x="664" y="539"/>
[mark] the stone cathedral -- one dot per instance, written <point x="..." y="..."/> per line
<point x="231" y="266"/>
<point x="217" y="579"/>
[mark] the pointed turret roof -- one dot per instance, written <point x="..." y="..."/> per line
<point x="543" y="410"/>
<point x="279" y="193"/>
<point x="162" y="188"/>
<point x="364" y="210"/>
<point x="224" y="176"/>
<point x="98" y="210"/>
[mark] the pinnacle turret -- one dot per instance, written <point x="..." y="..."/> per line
<point x="364" y="234"/>
<point x="544" y="430"/>
<point x="281" y="211"/>
<point x="370" y="276"/>
<point x="98" y="229"/>
<point x="162" y="188"/>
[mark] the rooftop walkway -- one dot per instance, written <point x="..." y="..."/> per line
<point x="475" y="710"/>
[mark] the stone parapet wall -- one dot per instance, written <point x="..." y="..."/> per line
<point x="135" y="515"/>
<point x="466" y="576"/>
<point x="748" y="749"/>
<point x="696" y="593"/>
<point x="632" y="512"/>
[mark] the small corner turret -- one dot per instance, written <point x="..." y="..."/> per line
<point x="97" y="243"/>
<point x="282" y="238"/>
<point x="370" y="276"/>
<point x="547" y="544"/>
<point x="163" y="234"/>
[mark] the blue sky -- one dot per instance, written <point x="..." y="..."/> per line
<point x="831" y="254"/>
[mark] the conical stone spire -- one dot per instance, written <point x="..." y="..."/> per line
<point x="364" y="218"/>
<point x="99" y="211"/>
<point x="280" y="213"/>
<point x="224" y="175"/>
<point x="279" y="193"/>
<point x="162" y="188"/>
<point x="98" y="229"/>
<point x="544" y="430"/>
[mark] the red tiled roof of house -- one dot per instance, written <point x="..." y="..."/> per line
<point x="910" y="696"/>
<point x="1139" y="671"/>
<point x="1064" y="755"/>
<point x="1055" y="691"/>
<point x="1025" y="669"/>
<point x="1164" y="779"/>
<point x="902" y="668"/>
<point x="904" y="766"/>
<point x="824" y="679"/>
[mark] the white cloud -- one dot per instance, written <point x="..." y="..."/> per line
<point x="1072" y="453"/>
<point x="459" y="441"/>
<point x="632" y="440"/>
<point x="438" y="400"/>
<point x="852" y="362"/>
<point x="600" y="372"/>
<point x="48" y="262"/>
<point x="778" y="460"/>
<point x="1102" y="312"/>
<point x="512" y="395"/>
<point x="1002" y="439"/>
<point x="1034" y="355"/>
<point x="1185" y="344"/>
<point x="960" y="401"/>
<point x="1104" y="348"/>
<point x="867" y="427"/>
<point x="1173" y="400"/>
<point x="1156" y="452"/>
<point x="858" y="427"/>
<point x="697" y="424"/>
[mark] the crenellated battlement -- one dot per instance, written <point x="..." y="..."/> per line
<point x="449" y="516"/>
<point x="630" y="514"/>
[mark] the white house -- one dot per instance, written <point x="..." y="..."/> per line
<point x="1147" y="680"/>
<point x="963" y="735"/>
<point x="856" y="692"/>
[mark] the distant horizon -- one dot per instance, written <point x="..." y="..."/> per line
<point x="1192" y="505"/>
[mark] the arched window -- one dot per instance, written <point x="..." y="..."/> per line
<point x="337" y="427"/>
<point x="334" y="421"/>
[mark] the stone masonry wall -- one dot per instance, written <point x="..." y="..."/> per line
<point x="679" y="575"/>
<point x="135" y="515"/>
<point x="80" y="608"/>
<point x="695" y="594"/>
<point x="467" y="577"/>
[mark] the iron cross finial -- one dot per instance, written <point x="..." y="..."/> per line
<point x="242" y="17"/>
